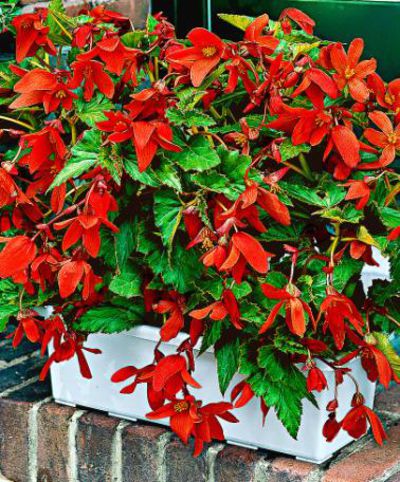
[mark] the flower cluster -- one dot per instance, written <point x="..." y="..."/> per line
<point x="233" y="191"/>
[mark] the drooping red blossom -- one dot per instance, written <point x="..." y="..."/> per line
<point x="171" y="375"/>
<point x="32" y="35"/>
<point x="336" y="308"/>
<point x="394" y="234"/>
<point x="355" y="423"/>
<point x="244" y="249"/>
<point x="300" y="18"/>
<point x="267" y="200"/>
<point x="46" y="147"/>
<point x="241" y="395"/>
<point x="316" y="380"/>
<point x="358" y="190"/>
<point x="45" y="267"/>
<point x="174" y="305"/>
<point x="28" y="325"/>
<point x="85" y="227"/>
<point x="295" y="308"/>
<point x="91" y="73"/>
<point x="72" y="273"/>
<point x="188" y="417"/>
<point x="111" y="51"/>
<point x="219" y="310"/>
<point x="387" y="139"/>
<point x="146" y="137"/>
<point x="42" y="87"/>
<point x="387" y="95"/>
<point x="202" y="57"/>
<point x="66" y="346"/>
<point x="16" y="256"/>
<point x="350" y="72"/>
<point x="257" y="41"/>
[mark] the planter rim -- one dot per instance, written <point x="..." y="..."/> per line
<point x="151" y="333"/>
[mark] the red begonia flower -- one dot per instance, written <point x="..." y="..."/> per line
<point x="200" y="59"/>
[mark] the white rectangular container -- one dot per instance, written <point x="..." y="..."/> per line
<point x="136" y="348"/>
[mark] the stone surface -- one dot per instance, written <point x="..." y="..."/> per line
<point x="141" y="460"/>
<point x="369" y="463"/>
<point x="94" y="447"/>
<point x="235" y="463"/>
<point x="17" y="374"/>
<point x="284" y="469"/>
<point x="14" y="440"/>
<point x="181" y="465"/>
<point x="389" y="401"/>
<point x="53" y="453"/>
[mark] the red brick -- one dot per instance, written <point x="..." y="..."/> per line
<point x="53" y="453"/>
<point x="389" y="401"/>
<point x="290" y="470"/>
<point x="181" y="465"/>
<point x="140" y="453"/>
<point x="235" y="464"/>
<point x="94" y="447"/>
<point x="369" y="463"/>
<point x="14" y="440"/>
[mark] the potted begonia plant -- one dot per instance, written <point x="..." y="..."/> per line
<point x="201" y="212"/>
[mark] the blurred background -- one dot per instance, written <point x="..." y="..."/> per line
<point x="377" y="21"/>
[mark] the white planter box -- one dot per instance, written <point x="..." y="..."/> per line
<point x="136" y="348"/>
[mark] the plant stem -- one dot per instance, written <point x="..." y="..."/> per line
<point x="64" y="30"/>
<point x="16" y="121"/>
<point x="305" y="166"/>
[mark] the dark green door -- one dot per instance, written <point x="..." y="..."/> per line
<point x="378" y="22"/>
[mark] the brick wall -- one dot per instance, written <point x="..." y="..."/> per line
<point x="44" y="442"/>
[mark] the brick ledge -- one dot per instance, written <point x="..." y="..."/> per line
<point x="46" y="442"/>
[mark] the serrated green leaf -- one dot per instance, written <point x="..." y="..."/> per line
<point x="390" y="217"/>
<point x="239" y="21"/>
<point x="227" y="356"/>
<point x="92" y="112"/>
<point x="127" y="285"/>
<point x="110" y="319"/>
<point x="197" y="155"/>
<point x="167" y="214"/>
<point x="85" y="155"/>
<point x="193" y="117"/>
<point x="289" y="151"/>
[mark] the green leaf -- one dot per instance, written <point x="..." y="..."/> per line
<point x="85" y="155"/>
<point x="216" y="182"/>
<point x="289" y="151"/>
<point x="197" y="155"/>
<point x="5" y="312"/>
<point x="191" y="118"/>
<point x="349" y="214"/>
<point x="302" y="193"/>
<point x="211" y="336"/>
<point x="124" y="243"/>
<point x="390" y="217"/>
<point x="165" y="174"/>
<point x="179" y="269"/>
<point x="110" y="319"/>
<point x="127" y="285"/>
<point x="383" y="344"/>
<point x="167" y="214"/>
<point x="147" y="177"/>
<point x="93" y="111"/>
<point x="239" y="21"/>
<point x="233" y="164"/>
<point x="227" y="363"/>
